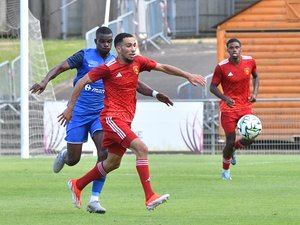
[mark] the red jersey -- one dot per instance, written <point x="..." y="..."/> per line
<point x="120" y="84"/>
<point x="235" y="82"/>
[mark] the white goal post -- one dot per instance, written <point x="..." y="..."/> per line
<point x="24" y="73"/>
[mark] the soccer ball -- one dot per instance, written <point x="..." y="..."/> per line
<point x="249" y="126"/>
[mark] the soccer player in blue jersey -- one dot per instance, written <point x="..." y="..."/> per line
<point x="86" y="117"/>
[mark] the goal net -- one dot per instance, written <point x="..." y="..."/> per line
<point x="10" y="83"/>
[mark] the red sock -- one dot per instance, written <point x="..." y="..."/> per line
<point x="94" y="174"/>
<point x="143" y="171"/>
<point x="238" y="145"/>
<point x="226" y="163"/>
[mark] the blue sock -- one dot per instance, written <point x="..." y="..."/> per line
<point x="98" y="186"/>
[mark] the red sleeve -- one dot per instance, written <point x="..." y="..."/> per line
<point x="216" y="79"/>
<point x="146" y="63"/>
<point x="98" y="72"/>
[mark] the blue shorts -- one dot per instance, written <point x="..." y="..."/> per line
<point x="79" y="126"/>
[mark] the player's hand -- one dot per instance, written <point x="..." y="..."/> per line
<point x="230" y="102"/>
<point x="196" y="79"/>
<point x="38" y="87"/>
<point x="164" y="98"/>
<point x="252" y="98"/>
<point x="65" y="117"/>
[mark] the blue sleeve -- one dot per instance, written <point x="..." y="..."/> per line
<point x="75" y="61"/>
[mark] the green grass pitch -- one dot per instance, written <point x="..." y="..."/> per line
<point x="265" y="190"/>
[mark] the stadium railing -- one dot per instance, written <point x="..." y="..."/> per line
<point x="154" y="25"/>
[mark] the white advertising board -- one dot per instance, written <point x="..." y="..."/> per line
<point x="162" y="128"/>
<point x="173" y="128"/>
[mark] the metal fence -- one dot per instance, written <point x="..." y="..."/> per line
<point x="148" y="25"/>
<point x="197" y="17"/>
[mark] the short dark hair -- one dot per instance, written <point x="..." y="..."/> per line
<point x="103" y="30"/>
<point x="233" y="40"/>
<point x="119" y="38"/>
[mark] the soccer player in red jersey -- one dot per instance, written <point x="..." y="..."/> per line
<point x="120" y="78"/>
<point x="234" y="75"/>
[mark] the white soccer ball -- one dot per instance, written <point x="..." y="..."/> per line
<point x="249" y="126"/>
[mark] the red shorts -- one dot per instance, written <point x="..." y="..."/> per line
<point x="229" y="119"/>
<point x="117" y="135"/>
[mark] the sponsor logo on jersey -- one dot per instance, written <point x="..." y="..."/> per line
<point x="247" y="70"/>
<point x="136" y="70"/>
<point x="96" y="90"/>
<point x="230" y="74"/>
<point x="119" y="75"/>
<point x="87" y="87"/>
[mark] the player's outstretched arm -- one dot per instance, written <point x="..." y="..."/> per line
<point x="194" y="79"/>
<point x="54" y="72"/>
<point x="66" y="115"/>
<point x="146" y="90"/>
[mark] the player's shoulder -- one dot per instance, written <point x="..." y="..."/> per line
<point x="111" y="62"/>
<point x="88" y="50"/>
<point x="139" y="57"/>
<point x="247" y="57"/>
<point x="223" y="62"/>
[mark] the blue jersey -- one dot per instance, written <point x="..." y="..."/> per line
<point x="90" y="100"/>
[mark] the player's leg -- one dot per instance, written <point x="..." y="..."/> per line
<point x="73" y="154"/>
<point x="76" y="135"/>
<point x="112" y="141"/>
<point x="94" y="205"/>
<point x="120" y="132"/>
<point x="228" y="121"/>
<point x="241" y="143"/>
<point x="112" y="162"/>
<point x="142" y="166"/>
<point x="227" y="155"/>
<point x="69" y="155"/>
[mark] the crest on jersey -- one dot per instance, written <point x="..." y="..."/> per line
<point x="247" y="70"/>
<point x="136" y="70"/>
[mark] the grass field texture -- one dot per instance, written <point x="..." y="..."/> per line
<point x="264" y="191"/>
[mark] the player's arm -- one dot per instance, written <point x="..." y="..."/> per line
<point x="144" y="89"/>
<point x="54" y="72"/>
<point x="215" y="82"/>
<point x="255" y="84"/>
<point x="66" y="116"/>
<point x="216" y="91"/>
<point x="194" y="79"/>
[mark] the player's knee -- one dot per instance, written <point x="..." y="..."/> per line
<point x="246" y="142"/>
<point x="230" y="143"/>
<point x="102" y="155"/>
<point x="72" y="161"/>
<point x="112" y="165"/>
<point x="142" y="151"/>
<point x="116" y="165"/>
